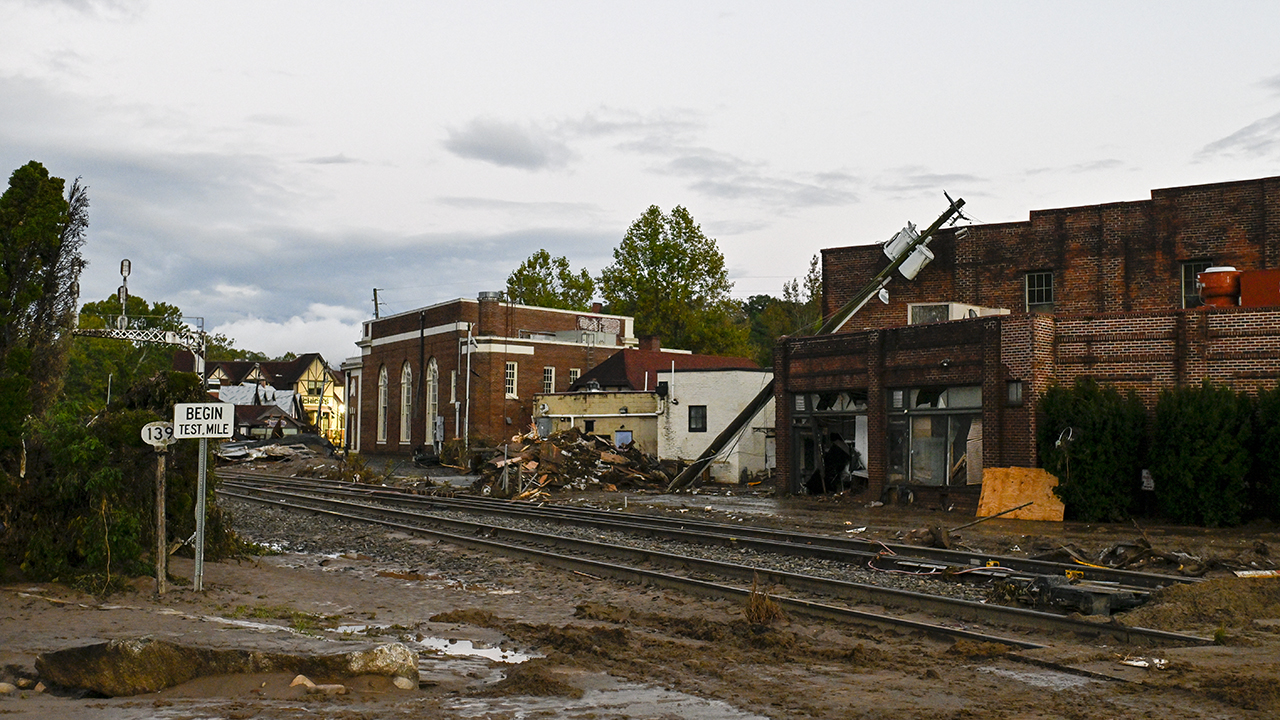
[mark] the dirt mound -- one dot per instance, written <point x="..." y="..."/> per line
<point x="976" y="649"/>
<point x="1228" y="602"/>
<point x="532" y="678"/>
<point x="468" y="616"/>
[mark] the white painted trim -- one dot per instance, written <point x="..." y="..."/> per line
<point x="460" y="327"/>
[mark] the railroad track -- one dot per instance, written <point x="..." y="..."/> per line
<point x="426" y="516"/>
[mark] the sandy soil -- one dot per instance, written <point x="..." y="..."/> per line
<point x="500" y="639"/>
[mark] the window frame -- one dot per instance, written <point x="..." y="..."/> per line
<point x="697" y="418"/>
<point x="511" y="376"/>
<point x="1194" y="267"/>
<point x="1038" y="291"/>
<point x="406" y="403"/>
<point x="383" y="398"/>
<point x="548" y="379"/>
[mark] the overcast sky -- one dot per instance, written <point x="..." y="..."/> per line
<point x="264" y="165"/>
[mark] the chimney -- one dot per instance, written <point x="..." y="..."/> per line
<point x="490" y="313"/>
<point x="652" y="343"/>
<point x="597" y="307"/>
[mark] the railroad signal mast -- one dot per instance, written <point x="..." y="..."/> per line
<point x="908" y="253"/>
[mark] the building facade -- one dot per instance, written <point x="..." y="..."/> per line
<point x="670" y="404"/>
<point x="468" y="368"/>
<point x="1105" y="291"/>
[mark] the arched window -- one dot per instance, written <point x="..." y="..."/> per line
<point x="433" y="401"/>
<point x="382" y="404"/>
<point x="406" y="401"/>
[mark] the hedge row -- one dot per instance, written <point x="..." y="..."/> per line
<point x="1213" y="454"/>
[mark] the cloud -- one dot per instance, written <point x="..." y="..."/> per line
<point x="329" y="330"/>
<point x="916" y="180"/>
<point x="339" y="159"/>
<point x="1256" y="139"/>
<point x="508" y="145"/>
<point x="1106" y="165"/>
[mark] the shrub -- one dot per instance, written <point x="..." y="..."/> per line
<point x="1200" y="454"/>
<point x="1092" y="439"/>
<point x="86" y="506"/>
<point x="1264" y="479"/>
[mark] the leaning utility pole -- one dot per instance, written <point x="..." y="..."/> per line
<point x="904" y="246"/>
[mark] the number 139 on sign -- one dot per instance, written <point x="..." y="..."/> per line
<point x="158" y="434"/>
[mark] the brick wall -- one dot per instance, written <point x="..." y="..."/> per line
<point x="1146" y="352"/>
<point x="1105" y="258"/>
<point x="394" y="341"/>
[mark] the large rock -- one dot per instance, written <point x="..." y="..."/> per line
<point x="133" y="666"/>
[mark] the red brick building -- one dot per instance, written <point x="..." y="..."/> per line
<point x="1106" y="291"/>
<point x="409" y="388"/>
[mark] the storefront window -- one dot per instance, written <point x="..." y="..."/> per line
<point x="936" y="439"/>
<point x="830" y="441"/>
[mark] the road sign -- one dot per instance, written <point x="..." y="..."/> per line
<point x="203" y="420"/>
<point x="159" y="434"/>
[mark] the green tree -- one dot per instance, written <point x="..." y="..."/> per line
<point x="544" y="281"/>
<point x="97" y="365"/>
<point x="798" y="312"/>
<point x="41" y="233"/>
<point x="672" y="279"/>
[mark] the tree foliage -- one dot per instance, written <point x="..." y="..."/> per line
<point x="797" y="312"/>
<point x="98" y="367"/>
<point x="544" y="281"/>
<point x="41" y="233"/>
<point x="672" y="278"/>
<point x="1092" y="439"/>
<point x="1200" y="454"/>
<point x="85" y="512"/>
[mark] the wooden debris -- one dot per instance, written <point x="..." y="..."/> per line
<point x="568" y="459"/>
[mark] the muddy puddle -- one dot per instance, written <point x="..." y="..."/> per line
<point x="603" y="697"/>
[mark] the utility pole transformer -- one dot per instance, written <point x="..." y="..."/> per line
<point x="905" y="246"/>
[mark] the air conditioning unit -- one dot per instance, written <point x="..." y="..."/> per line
<point x="920" y="313"/>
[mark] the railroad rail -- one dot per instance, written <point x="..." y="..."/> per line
<point x="827" y="547"/>
<point x="386" y="507"/>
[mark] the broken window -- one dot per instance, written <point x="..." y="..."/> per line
<point x="829" y="438"/>
<point x="937" y="438"/>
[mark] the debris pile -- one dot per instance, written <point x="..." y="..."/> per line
<point x="532" y="466"/>
<point x="1140" y="554"/>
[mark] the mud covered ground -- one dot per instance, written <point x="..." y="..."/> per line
<point x="501" y="639"/>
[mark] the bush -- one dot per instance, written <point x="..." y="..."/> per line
<point x="1264" y="480"/>
<point x="86" y="506"/>
<point x="1200" y="454"/>
<point x="1092" y="439"/>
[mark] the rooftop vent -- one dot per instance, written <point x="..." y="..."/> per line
<point x="490" y="294"/>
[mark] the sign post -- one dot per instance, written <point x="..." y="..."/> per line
<point x="203" y="421"/>
<point x="160" y="436"/>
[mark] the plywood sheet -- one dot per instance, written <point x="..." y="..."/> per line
<point x="1003" y="488"/>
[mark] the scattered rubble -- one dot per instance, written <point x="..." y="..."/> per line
<point x="292" y="447"/>
<point x="531" y="466"/>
